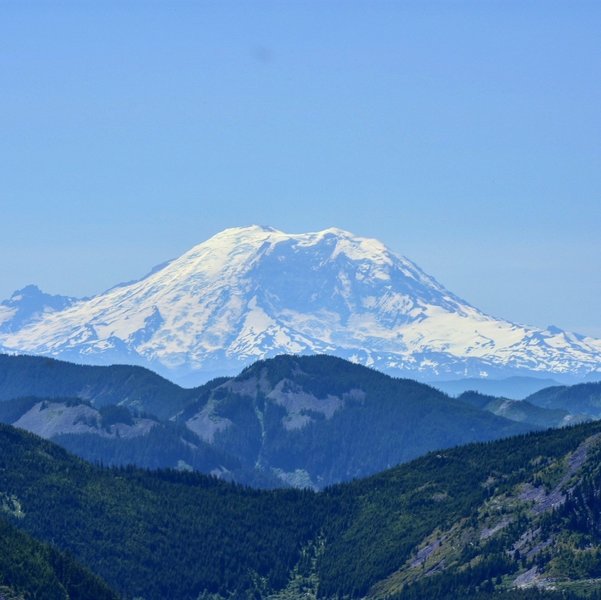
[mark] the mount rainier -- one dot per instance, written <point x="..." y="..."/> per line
<point x="255" y="292"/>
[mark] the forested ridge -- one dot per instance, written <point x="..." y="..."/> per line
<point x="291" y="420"/>
<point x="134" y="386"/>
<point x="30" y="569"/>
<point x="481" y="509"/>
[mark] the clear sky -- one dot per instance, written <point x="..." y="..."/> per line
<point x="464" y="135"/>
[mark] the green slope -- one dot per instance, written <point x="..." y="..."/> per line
<point x="29" y="569"/>
<point x="156" y="535"/>
<point x="448" y="498"/>
<point x="445" y="525"/>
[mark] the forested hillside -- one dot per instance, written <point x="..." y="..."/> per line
<point x="29" y="569"/>
<point x="523" y="411"/>
<point x="491" y="516"/>
<point x="289" y="421"/>
<point x="135" y="387"/>
<point x="319" y="420"/>
<point x="583" y="398"/>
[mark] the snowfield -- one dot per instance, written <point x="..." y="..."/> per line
<point x="255" y="292"/>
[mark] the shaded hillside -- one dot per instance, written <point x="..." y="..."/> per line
<point x="461" y="522"/>
<point x="133" y="386"/>
<point x="584" y="398"/>
<point x="112" y="435"/>
<point x="301" y="421"/>
<point x="514" y="388"/>
<point x="304" y="421"/>
<point x="156" y="535"/>
<point x="29" y="569"/>
<point x="318" y="420"/>
<point x="522" y="411"/>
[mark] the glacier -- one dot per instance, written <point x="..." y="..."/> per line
<point x="255" y="292"/>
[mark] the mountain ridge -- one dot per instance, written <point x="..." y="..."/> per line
<point x="289" y="420"/>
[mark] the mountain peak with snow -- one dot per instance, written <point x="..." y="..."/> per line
<point x="255" y="292"/>
<point x="27" y="305"/>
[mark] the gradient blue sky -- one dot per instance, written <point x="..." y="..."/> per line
<point x="465" y="135"/>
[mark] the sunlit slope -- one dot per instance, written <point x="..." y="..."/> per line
<point x="254" y="292"/>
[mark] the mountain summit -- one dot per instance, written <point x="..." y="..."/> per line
<point x="255" y="292"/>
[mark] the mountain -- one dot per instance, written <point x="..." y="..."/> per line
<point x="583" y="398"/>
<point x="112" y="435"/>
<point x="487" y="520"/>
<point x="135" y="387"/>
<point x="291" y="420"/>
<point x="28" y="305"/>
<point x="318" y="420"/>
<point x="523" y="411"/>
<point x="254" y="292"/>
<point x="514" y="388"/>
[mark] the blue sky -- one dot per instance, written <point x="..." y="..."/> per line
<point x="465" y="135"/>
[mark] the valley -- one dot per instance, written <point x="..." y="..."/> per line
<point x="483" y="519"/>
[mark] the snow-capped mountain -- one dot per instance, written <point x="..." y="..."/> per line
<point x="255" y="292"/>
<point x="27" y="305"/>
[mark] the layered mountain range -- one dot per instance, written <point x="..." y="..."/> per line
<point x="255" y="292"/>
<point x="302" y="421"/>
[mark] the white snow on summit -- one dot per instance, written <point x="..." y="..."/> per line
<point x="254" y="292"/>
